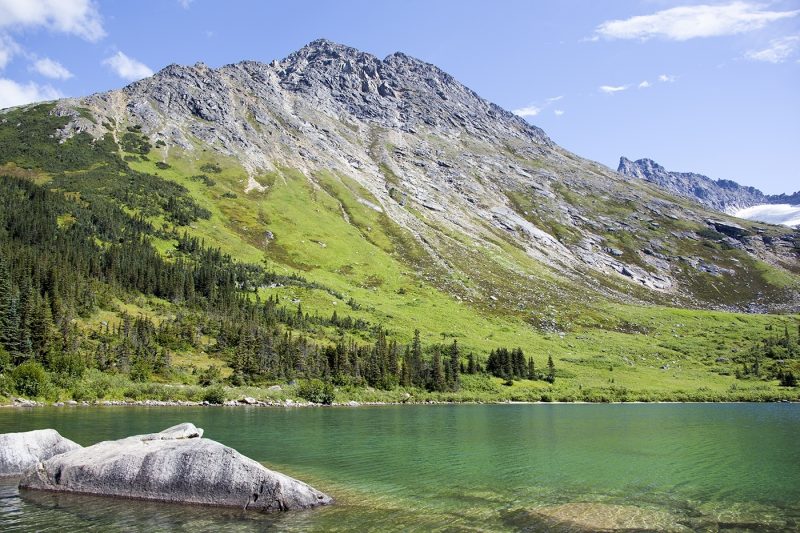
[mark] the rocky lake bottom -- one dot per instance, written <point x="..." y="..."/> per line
<point x="666" y="467"/>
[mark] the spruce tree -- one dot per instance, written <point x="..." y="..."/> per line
<point x="455" y="360"/>
<point x="551" y="369"/>
<point x="437" y="381"/>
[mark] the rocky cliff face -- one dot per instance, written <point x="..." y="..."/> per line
<point x="465" y="178"/>
<point x="721" y="195"/>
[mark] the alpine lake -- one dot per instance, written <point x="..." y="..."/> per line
<point x="538" y="467"/>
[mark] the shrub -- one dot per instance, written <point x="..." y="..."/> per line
<point x="5" y="359"/>
<point x="316" y="391"/>
<point x="215" y="395"/>
<point x="209" y="376"/>
<point x="30" y="378"/>
<point x="162" y="165"/>
<point x="211" y="167"/>
<point x="6" y="385"/>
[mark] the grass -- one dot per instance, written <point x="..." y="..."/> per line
<point x="324" y="229"/>
<point x="490" y="293"/>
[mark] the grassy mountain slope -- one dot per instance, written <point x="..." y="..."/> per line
<point x="389" y="250"/>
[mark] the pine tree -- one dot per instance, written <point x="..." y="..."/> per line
<point x="551" y="369"/>
<point x="417" y="367"/>
<point x="531" y="369"/>
<point x="472" y="367"/>
<point x="455" y="360"/>
<point x="437" y="381"/>
<point x="9" y="319"/>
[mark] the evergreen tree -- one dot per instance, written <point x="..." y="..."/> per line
<point x="551" y="369"/>
<point x="455" y="367"/>
<point x="437" y="381"/>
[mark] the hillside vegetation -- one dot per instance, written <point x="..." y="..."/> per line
<point x="135" y="268"/>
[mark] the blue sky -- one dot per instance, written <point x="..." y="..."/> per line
<point x="705" y="86"/>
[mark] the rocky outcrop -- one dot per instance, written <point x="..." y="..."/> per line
<point x="176" y="465"/>
<point x="20" y="452"/>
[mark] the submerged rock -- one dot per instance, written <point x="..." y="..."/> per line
<point x="176" y="465"/>
<point x="594" y="516"/>
<point x="20" y="452"/>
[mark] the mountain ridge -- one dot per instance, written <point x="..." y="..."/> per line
<point x="723" y="195"/>
<point x="273" y="221"/>
<point x="403" y="127"/>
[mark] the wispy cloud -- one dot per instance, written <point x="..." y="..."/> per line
<point x="51" y="69"/>
<point x="611" y="89"/>
<point x="75" y="17"/>
<point x="528" y="111"/>
<point x="558" y="112"/>
<point x="644" y="85"/>
<point x="667" y="78"/>
<point x="778" y="51"/>
<point x="8" y="49"/>
<point x="185" y="4"/>
<point x="531" y="110"/>
<point x="127" y="67"/>
<point x="13" y="93"/>
<point x="689" y="22"/>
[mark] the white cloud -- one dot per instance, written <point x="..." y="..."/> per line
<point x="127" y="67"/>
<point x="778" y="51"/>
<point x="644" y="85"/>
<point x="555" y="98"/>
<point x="688" y="22"/>
<point x="667" y="78"/>
<point x="51" y="69"/>
<point x="185" y="3"/>
<point x="76" y="17"/>
<point x="13" y="93"/>
<point x="8" y="49"/>
<point x="558" y="112"/>
<point x="528" y="111"/>
<point x="611" y="89"/>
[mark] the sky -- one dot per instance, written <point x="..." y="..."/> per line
<point x="703" y="86"/>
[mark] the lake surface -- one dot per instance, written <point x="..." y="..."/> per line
<point x="689" y="467"/>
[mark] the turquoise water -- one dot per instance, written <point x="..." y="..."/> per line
<point x="676" y="467"/>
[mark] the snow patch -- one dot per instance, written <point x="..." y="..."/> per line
<point x="788" y="215"/>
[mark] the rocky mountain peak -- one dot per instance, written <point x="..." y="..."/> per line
<point x="721" y="195"/>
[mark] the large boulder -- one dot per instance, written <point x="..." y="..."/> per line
<point x="22" y="451"/>
<point x="176" y="465"/>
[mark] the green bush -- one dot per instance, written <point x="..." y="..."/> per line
<point x="30" y="379"/>
<point x="209" y="376"/>
<point x="5" y="359"/>
<point x="316" y="391"/>
<point x="215" y="394"/>
<point x="7" y="386"/>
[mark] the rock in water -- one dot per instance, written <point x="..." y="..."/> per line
<point x="21" y="451"/>
<point x="176" y="465"/>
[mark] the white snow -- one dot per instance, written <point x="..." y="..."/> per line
<point x="788" y="215"/>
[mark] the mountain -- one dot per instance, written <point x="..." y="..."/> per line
<point x="385" y="195"/>
<point x="721" y="195"/>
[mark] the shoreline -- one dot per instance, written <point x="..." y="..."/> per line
<point x="21" y="403"/>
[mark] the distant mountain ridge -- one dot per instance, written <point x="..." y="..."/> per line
<point x="721" y="194"/>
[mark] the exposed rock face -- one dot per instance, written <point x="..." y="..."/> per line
<point x="433" y="157"/>
<point x="721" y="195"/>
<point x="20" y="452"/>
<point x="176" y="465"/>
